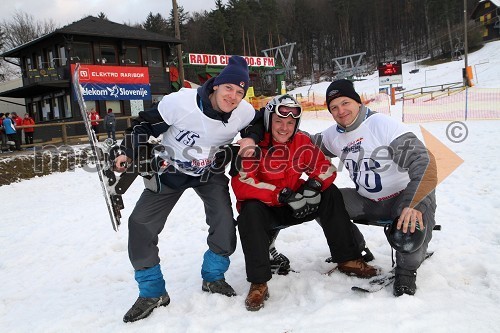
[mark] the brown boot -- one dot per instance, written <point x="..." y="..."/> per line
<point x="358" y="268"/>
<point x="257" y="294"/>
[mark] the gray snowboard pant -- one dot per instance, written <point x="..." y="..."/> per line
<point x="151" y="212"/>
<point x="361" y="208"/>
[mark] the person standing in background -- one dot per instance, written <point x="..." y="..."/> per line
<point x="110" y="124"/>
<point x="94" y="121"/>
<point x="10" y="130"/>
<point x="3" y="136"/>
<point x="18" y="121"/>
<point x="28" y="131"/>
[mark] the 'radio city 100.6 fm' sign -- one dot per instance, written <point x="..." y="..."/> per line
<point x="222" y="60"/>
<point x="114" y="82"/>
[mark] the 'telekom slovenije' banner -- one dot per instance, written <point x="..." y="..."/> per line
<point x="114" y="82"/>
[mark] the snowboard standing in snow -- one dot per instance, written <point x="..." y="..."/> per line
<point x="102" y="154"/>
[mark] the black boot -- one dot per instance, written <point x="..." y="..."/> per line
<point x="143" y="307"/>
<point x="366" y="253"/>
<point x="405" y="282"/>
<point x="218" y="287"/>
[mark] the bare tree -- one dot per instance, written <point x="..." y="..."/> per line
<point x="20" y="29"/>
<point x="23" y="28"/>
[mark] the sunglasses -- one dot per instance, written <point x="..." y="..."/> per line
<point x="284" y="111"/>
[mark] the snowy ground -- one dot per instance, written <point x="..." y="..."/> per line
<point x="62" y="268"/>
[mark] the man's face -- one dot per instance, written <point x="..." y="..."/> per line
<point x="227" y="97"/>
<point x="282" y="128"/>
<point x="344" y="110"/>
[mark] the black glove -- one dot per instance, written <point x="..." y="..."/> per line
<point x="296" y="201"/>
<point x="225" y="155"/>
<point x="312" y="194"/>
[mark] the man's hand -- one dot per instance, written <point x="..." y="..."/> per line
<point x="121" y="163"/>
<point x="312" y="194"/>
<point x="294" y="200"/>
<point x="247" y="147"/>
<point x="409" y="218"/>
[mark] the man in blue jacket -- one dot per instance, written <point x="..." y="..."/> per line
<point x="9" y="128"/>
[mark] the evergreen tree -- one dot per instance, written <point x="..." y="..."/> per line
<point x="156" y="23"/>
<point x="183" y="19"/>
<point x="102" y="16"/>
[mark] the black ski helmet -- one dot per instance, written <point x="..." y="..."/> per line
<point x="404" y="242"/>
<point x="273" y="105"/>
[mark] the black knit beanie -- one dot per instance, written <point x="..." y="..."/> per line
<point x="341" y="88"/>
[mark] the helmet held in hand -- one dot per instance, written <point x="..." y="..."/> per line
<point x="404" y="242"/>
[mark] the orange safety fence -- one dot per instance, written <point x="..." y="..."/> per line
<point x="317" y="102"/>
<point x="465" y="104"/>
<point x="458" y="104"/>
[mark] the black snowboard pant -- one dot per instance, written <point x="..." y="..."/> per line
<point x="152" y="210"/>
<point x="257" y="220"/>
<point x="28" y="138"/>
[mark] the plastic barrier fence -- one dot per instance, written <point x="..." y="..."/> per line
<point x="461" y="104"/>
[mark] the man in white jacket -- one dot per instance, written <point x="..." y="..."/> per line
<point x="393" y="172"/>
<point x="193" y="124"/>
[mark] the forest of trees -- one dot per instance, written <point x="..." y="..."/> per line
<point x="325" y="29"/>
<point x="321" y="29"/>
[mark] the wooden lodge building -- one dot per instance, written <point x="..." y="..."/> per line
<point x="487" y="13"/>
<point x="123" y="68"/>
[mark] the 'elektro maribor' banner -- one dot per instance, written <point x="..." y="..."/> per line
<point x="114" y="82"/>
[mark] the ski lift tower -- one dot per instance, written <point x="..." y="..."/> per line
<point x="348" y="65"/>
<point x="283" y="53"/>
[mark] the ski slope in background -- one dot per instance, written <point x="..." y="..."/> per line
<point x="63" y="268"/>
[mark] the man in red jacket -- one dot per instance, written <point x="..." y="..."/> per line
<point x="271" y="195"/>
<point x="28" y="131"/>
<point x="94" y="121"/>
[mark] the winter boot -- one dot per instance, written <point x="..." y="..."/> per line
<point x="218" y="287"/>
<point x="366" y="253"/>
<point x="257" y="294"/>
<point x="358" y="268"/>
<point x="143" y="307"/>
<point x="404" y="282"/>
<point x="280" y="265"/>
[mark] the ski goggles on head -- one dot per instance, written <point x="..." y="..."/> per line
<point x="284" y="111"/>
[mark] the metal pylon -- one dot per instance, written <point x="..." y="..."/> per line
<point x="284" y="54"/>
<point x="348" y="65"/>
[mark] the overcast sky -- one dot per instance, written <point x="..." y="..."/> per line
<point x="64" y="12"/>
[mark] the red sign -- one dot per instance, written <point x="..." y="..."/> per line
<point x="112" y="74"/>
<point x="390" y="68"/>
<point x="222" y="60"/>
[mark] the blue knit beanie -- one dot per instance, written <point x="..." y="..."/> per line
<point x="236" y="72"/>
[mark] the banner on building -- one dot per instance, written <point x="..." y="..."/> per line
<point x="114" y="82"/>
<point x="106" y="92"/>
<point x="222" y="60"/>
